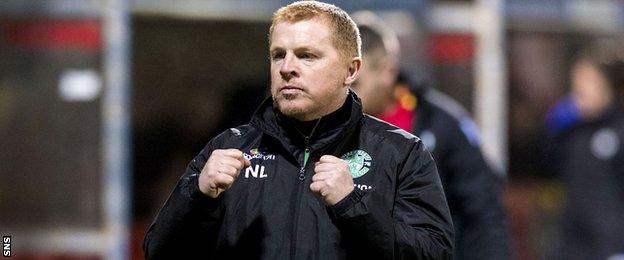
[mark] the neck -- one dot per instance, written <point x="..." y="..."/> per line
<point x="301" y="130"/>
<point x="305" y="128"/>
<point x="329" y="109"/>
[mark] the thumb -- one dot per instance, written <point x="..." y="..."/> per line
<point x="246" y="162"/>
<point x="240" y="156"/>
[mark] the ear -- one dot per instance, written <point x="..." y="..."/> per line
<point x="354" y="69"/>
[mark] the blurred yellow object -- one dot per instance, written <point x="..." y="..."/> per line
<point x="407" y="100"/>
<point x="551" y="196"/>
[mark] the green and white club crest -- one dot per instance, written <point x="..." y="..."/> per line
<point x="359" y="162"/>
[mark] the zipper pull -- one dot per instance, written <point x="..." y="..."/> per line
<point x="302" y="173"/>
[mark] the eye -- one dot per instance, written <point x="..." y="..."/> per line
<point x="277" y="55"/>
<point x="306" y="56"/>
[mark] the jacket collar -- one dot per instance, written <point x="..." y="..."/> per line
<point x="330" y="129"/>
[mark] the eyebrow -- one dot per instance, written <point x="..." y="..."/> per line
<point x="275" y="50"/>
<point x="300" y="49"/>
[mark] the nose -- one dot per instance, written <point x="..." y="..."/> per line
<point x="289" y="67"/>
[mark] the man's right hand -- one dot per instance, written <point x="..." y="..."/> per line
<point x="221" y="170"/>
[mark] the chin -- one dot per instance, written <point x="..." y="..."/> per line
<point x="292" y="109"/>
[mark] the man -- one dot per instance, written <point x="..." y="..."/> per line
<point x="589" y="155"/>
<point x="310" y="177"/>
<point x="470" y="186"/>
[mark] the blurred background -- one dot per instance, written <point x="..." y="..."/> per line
<point x="104" y="102"/>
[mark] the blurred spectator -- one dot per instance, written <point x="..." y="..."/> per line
<point x="471" y="187"/>
<point x="590" y="155"/>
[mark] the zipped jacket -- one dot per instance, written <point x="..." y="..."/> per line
<point x="396" y="211"/>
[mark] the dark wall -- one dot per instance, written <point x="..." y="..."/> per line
<point x="191" y="80"/>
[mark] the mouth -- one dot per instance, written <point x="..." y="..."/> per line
<point x="289" y="89"/>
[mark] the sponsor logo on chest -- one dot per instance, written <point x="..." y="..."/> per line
<point x="360" y="163"/>
<point x="256" y="154"/>
<point x="256" y="170"/>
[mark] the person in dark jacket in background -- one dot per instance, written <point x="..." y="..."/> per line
<point x="590" y="156"/>
<point x="471" y="187"/>
<point x="311" y="177"/>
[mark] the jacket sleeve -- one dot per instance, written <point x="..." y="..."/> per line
<point x="188" y="221"/>
<point x="473" y="193"/>
<point x="419" y="225"/>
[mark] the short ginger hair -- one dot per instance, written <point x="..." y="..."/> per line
<point x="345" y="37"/>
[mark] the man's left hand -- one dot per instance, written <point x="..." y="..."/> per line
<point x="332" y="179"/>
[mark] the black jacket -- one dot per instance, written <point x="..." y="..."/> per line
<point x="590" y="160"/>
<point x="472" y="189"/>
<point x="397" y="211"/>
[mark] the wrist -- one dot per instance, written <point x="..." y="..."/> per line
<point x="348" y="191"/>
<point x="348" y="202"/>
<point x="199" y="198"/>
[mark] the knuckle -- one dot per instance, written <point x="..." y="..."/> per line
<point x="214" y="176"/>
<point x="314" y="187"/>
<point x="227" y="169"/>
<point x="236" y="152"/>
<point x="239" y="165"/>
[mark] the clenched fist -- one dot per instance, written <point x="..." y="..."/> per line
<point x="332" y="179"/>
<point x="220" y="171"/>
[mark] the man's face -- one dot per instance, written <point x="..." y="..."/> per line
<point x="308" y="76"/>
<point x="590" y="90"/>
<point x="375" y="83"/>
